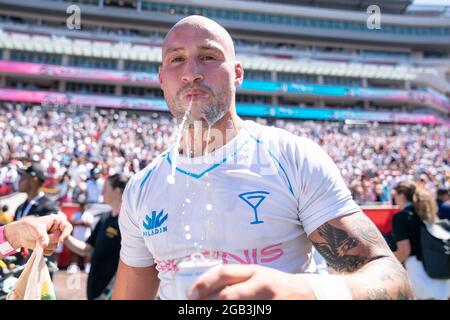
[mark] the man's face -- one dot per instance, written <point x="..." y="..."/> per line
<point x="25" y="182"/>
<point x="108" y="192"/>
<point x="444" y="197"/>
<point x="82" y="207"/>
<point x="198" y="69"/>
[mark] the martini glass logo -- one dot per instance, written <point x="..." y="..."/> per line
<point x="254" y="199"/>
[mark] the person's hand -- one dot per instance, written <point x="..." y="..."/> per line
<point x="47" y="231"/>
<point x="249" y="282"/>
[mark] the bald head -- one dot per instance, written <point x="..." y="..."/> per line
<point x="194" y="24"/>
<point x="199" y="72"/>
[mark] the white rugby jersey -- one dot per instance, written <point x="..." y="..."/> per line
<point x="254" y="201"/>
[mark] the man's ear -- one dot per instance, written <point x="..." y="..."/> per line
<point x="239" y="71"/>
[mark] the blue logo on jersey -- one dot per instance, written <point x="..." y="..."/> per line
<point x="254" y="199"/>
<point x="153" y="224"/>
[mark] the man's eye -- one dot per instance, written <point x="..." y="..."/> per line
<point x="177" y="59"/>
<point x="206" y="58"/>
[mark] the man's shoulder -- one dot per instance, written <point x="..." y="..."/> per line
<point x="444" y="210"/>
<point x="446" y="205"/>
<point x="45" y="204"/>
<point x="287" y="148"/>
<point x="21" y="205"/>
<point x="45" y="199"/>
<point x="275" y="135"/>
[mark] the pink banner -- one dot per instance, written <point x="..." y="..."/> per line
<point x="56" y="98"/>
<point x="45" y="97"/>
<point x="64" y="72"/>
<point x="33" y="96"/>
<point x="76" y="73"/>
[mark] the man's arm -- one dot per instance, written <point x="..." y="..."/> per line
<point x="135" y="283"/>
<point x="353" y="247"/>
<point x="81" y="248"/>
<point x="80" y="223"/>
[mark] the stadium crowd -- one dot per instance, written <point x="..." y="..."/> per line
<point x="81" y="147"/>
<point x="89" y="154"/>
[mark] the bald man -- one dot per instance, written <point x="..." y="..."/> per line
<point x="199" y="68"/>
<point x="256" y="197"/>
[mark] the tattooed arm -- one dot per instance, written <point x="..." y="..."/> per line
<point x="353" y="247"/>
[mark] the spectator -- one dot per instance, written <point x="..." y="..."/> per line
<point x="32" y="178"/>
<point x="65" y="188"/>
<point x="37" y="203"/>
<point x="77" y="142"/>
<point x="94" y="186"/>
<point x="417" y="205"/>
<point x="82" y="222"/>
<point x="103" y="245"/>
<point x="443" y="202"/>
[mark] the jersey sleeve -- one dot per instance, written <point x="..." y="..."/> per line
<point x="322" y="192"/>
<point x="133" y="251"/>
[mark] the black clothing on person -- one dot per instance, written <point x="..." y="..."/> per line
<point x="105" y="239"/>
<point x="406" y="225"/>
<point x="41" y="207"/>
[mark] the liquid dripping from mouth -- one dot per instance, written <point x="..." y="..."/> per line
<point x="208" y="137"/>
<point x="171" y="178"/>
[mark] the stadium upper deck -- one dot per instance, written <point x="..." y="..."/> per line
<point x="289" y="52"/>
<point x="287" y="21"/>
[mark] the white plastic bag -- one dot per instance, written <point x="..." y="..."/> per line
<point x="34" y="283"/>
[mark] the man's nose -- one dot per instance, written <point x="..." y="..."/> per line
<point x="191" y="73"/>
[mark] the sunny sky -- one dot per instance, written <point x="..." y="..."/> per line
<point x="432" y="2"/>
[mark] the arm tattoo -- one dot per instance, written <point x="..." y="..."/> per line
<point x="394" y="272"/>
<point x="367" y="231"/>
<point x="378" y="294"/>
<point x="347" y="252"/>
<point x="404" y="294"/>
<point x="335" y="249"/>
<point x="391" y="272"/>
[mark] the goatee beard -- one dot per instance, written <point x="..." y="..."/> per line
<point x="210" y="114"/>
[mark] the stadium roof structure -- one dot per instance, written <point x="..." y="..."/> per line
<point x="262" y="19"/>
<point x="391" y="6"/>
